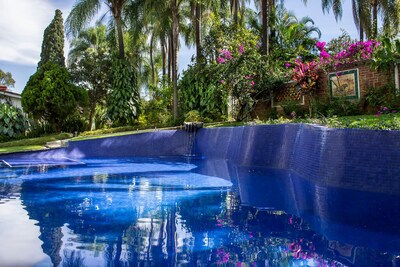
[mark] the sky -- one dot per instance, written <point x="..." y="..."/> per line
<point x="22" y="23"/>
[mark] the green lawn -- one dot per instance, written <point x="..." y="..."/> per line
<point x="31" y="143"/>
<point x="14" y="149"/>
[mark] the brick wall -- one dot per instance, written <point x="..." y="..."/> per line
<point x="367" y="76"/>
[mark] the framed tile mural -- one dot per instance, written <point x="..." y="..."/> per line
<point x="344" y="84"/>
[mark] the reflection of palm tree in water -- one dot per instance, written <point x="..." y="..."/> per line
<point x="73" y="259"/>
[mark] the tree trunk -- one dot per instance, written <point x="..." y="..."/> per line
<point x="170" y="56"/>
<point x="361" y="32"/>
<point x="120" y="37"/>
<point x="91" y="116"/>
<point x="175" y="40"/>
<point x="198" y="31"/>
<point x="264" y="29"/>
<point x="236" y="12"/>
<point x="271" y="19"/>
<point x="374" y="19"/>
<point x="361" y="26"/>
<point x="153" y="74"/>
<point x="164" y="57"/>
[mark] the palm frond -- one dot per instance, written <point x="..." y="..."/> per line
<point x="80" y="16"/>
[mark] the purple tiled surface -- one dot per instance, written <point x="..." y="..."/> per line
<point x="348" y="158"/>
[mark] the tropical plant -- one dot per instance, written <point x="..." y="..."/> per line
<point x="53" y="42"/>
<point x="306" y="75"/>
<point x="12" y="122"/>
<point x="249" y="77"/>
<point x="293" y="37"/>
<point x="387" y="54"/>
<point x="201" y="90"/>
<point x="6" y="79"/>
<point x="123" y="104"/>
<point x="51" y="96"/>
<point x="89" y="62"/>
<point x="83" y="12"/>
<point x="157" y="111"/>
<point x="365" y="14"/>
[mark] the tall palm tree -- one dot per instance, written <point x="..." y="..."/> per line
<point x="365" y="14"/>
<point x="83" y="12"/>
<point x="238" y="8"/>
<point x="89" y="61"/>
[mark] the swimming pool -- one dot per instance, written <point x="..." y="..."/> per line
<point x="174" y="211"/>
<point x="253" y="196"/>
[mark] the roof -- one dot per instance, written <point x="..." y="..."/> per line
<point x="10" y="94"/>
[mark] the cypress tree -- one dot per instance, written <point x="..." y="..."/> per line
<point x="53" y="42"/>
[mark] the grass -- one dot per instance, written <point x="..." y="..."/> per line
<point x="382" y="122"/>
<point x="31" y="143"/>
<point x="5" y="150"/>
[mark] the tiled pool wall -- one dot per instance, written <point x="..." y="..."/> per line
<point x="350" y="158"/>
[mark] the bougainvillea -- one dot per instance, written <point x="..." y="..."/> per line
<point x="306" y="74"/>
<point x="248" y="77"/>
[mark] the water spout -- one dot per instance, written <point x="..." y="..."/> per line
<point x="191" y="129"/>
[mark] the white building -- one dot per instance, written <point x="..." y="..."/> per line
<point x="9" y="97"/>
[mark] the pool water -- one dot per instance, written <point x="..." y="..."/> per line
<point x="188" y="212"/>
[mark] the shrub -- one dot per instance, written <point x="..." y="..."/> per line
<point x="193" y="116"/>
<point x="50" y="95"/>
<point x="293" y="110"/>
<point x="382" y="96"/>
<point x="339" y="106"/>
<point x="201" y="90"/>
<point x="124" y="101"/>
<point x="12" y="122"/>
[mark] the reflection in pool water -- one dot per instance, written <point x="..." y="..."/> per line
<point x="170" y="212"/>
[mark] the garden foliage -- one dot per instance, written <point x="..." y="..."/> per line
<point x="53" y="42"/>
<point x="12" y="122"/>
<point x="6" y="79"/>
<point x="124" y="101"/>
<point x="201" y="90"/>
<point x="51" y="96"/>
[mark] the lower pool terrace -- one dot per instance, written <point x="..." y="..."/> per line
<point x="310" y="195"/>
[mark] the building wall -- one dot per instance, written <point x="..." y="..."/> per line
<point x="12" y="98"/>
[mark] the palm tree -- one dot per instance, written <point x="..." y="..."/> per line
<point x="83" y="12"/>
<point x="89" y="61"/>
<point x="365" y="14"/>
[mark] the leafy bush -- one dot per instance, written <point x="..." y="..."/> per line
<point x="292" y="109"/>
<point x="124" y="100"/>
<point x="200" y="89"/>
<point x="338" y="106"/>
<point x="382" y="96"/>
<point x="158" y="110"/>
<point x="12" y="122"/>
<point x="74" y="123"/>
<point x="193" y="116"/>
<point x="49" y="95"/>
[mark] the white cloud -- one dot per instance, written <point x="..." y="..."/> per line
<point x="22" y="23"/>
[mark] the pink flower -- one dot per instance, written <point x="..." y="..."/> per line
<point x="221" y="60"/>
<point x="227" y="54"/>
<point x="252" y="83"/>
<point x="320" y="46"/>
<point x="241" y="49"/>
<point x="324" y="54"/>
<point x="287" y="65"/>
